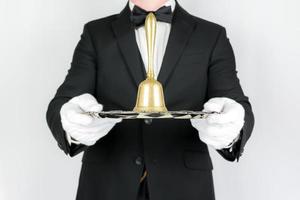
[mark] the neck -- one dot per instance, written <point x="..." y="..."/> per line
<point x="149" y="5"/>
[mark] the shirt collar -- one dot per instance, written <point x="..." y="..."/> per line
<point x="171" y="3"/>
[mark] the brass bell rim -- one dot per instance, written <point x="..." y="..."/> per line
<point x="149" y="109"/>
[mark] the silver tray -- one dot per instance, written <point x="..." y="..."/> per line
<point x="183" y="114"/>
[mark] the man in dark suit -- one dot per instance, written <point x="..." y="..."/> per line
<point x="159" y="159"/>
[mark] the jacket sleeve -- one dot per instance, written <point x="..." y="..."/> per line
<point x="224" y="82"/>
<point x="79" y="79"/>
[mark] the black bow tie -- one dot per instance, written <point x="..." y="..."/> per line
<point x="138" y="15"/>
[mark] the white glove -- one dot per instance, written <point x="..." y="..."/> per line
<point x="221" y="129"/>
<point x="84" y="128"/>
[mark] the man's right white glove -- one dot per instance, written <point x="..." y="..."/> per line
<point x="84" y="128"/>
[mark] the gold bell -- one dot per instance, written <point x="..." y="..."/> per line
<point x="150" y="96"/>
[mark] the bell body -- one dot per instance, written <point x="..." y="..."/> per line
<point x="150" y="97"/>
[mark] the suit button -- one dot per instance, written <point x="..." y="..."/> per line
<point x="148" y="121"/>
<point x="139" y="160"/>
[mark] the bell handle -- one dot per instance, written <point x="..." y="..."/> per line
<point x="150" y="29"/>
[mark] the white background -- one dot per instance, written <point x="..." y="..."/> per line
<point x="37" y="39"/>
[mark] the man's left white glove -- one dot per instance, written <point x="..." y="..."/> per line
<point x="220" y="130"/>
<point x="84" y="128"/>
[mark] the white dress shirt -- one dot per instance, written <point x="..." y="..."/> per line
<point x="161" y="40"/>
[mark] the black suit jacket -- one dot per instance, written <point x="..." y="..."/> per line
<point x="198" y="64"/>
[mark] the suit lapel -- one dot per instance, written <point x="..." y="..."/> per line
<point x="181" y="29"/>
<point x="125" y="34"/>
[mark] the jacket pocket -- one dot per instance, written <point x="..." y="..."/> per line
<point x="193" y="52"/>
<point x="197" y="160"/>
<point x="193" y="58"/>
